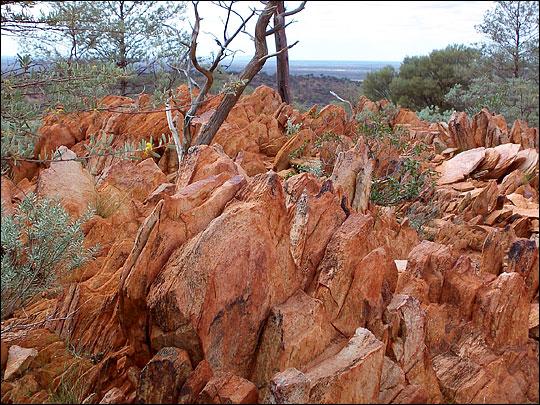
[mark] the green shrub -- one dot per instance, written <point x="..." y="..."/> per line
<point x="405" y="184"/>
<point x="315" y="170"/>
<point x="376" y="85"/>
<point x="434" y="114"/>
<point x="292" y="129"/>
<point x="424" y="80"/>
<point x="513" y="98"/>
<point x="39" y="243"/>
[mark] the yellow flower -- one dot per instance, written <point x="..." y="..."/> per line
<point x="148" y="148"/>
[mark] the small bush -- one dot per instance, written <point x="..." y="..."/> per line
<point x="405" y="184"/>
<point x="291" y="128"/>
<point x="434" y="114"/>
<point x="315" y="170"/>
<point x="39" y="243"/>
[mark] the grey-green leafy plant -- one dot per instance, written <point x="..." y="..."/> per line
<point x="419" y="215"/>
<point x="433" y="113"/>
<point x="315" y="170"/>
<point x="511" y="97"/>
<point x="39" y="244"/>
<point x="405" y="184"/>
<point x="327" y="136"/>
<point x="291" y="128"/>
<point x="376" y="124"/>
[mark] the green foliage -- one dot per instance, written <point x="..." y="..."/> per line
<point x="121" y="32"/>
<point x="31" y="91"/>
<point x="64" y="31"/>
<point x="327" y="136"/>
<point x="419" y="216"/>
<point x="424" y="80"/>
<point x="316" y="170"/>
<point x="405" y="184"/>
<point x="376" y="124"/>
<point x="512" y="30"/>
<point x="376" y="85"/>
<point x="66" y="393"/>
<point x="292" y="129"/>
<point x="40" y="242"/>
<point x="296" y="153"/>
<point x="434" y="114"/>
<point x="70" y="389"/>
<point x="513" y="98"/>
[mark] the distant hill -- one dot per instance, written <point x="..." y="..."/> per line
<point x="311" y="81"/>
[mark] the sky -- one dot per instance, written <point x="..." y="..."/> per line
<point x="354" y="30"/>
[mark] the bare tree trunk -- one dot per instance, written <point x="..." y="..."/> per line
<point x="282" y="67"/>
<point x="209" y="130"/>
<point x="122" y="61"/>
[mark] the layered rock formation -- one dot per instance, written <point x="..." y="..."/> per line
<point x="221" y="280"/>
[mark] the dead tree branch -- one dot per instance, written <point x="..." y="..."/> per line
<point x="209" y="129"/>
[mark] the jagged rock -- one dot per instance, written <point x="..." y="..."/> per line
<point x="289" y="387"/>
<point x="475" y="374"/>
<point x="491" y="159"/>
<point x="113" y="396"/>
<point x="3" y="357"/>
<point x="371" y="289"/>
<point x="296" y="332"/>
<point x="227" y="388"/>
<point x="7" y="189"/>
<point x="460" y="166"/>
<point x="523" y="259"/>
<point x="315" y="215"/>
<point x="251" y="125"/>
<point x="194" y="206"/>
<point x="195" y="383"/>
<point x="427" y="262"/>
<point x="252" y="163"/>
<point x="350" y="376"/>
<point x="508" y="153"/>
<point x="336" y="270"/>
<point x="163" y="376"/>
<point x="533" y="321"/>
<point x="494" y="249"/>
<point x="502" y="311"/>
<point x="365" y="103"/>
<point x="202" y="162"/>
<point x="352" y="172"/>
<point x="522" y="134"/>
<point x="224" y="298"/>
<point x="407" y="117"/>
<point x="295" y="145"/>
<point x="406" y="343"/>
<point x="258" y="280"/>
<point x="459" y="128"/>
<point x="484" y="203"/>
<point x="124" y="178"/>
<point x="70" y="182"/>
<point x="392" y="381"/>
<point x="18" y="360"/>
<point x="461" y="284"/>
<point x="412" y="394"/>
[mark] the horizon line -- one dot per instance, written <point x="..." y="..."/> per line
<point x="290" y="59"/>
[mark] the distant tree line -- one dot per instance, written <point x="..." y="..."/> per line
<point x="500" y="74"/>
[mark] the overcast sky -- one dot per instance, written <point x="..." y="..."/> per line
<point x="349" y="30"/>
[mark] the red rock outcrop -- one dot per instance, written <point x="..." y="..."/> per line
<point x="220" y="281"/>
